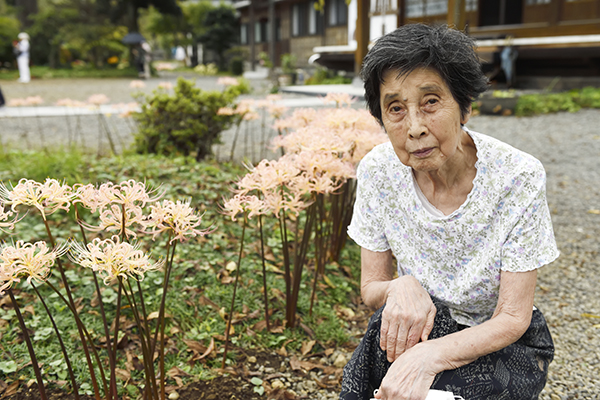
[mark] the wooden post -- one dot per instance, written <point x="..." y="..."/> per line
<point x="251" y="41"/>
<point x="272" y="31"/>
<point x="401" y="13"/>
<point x="555" y="11"/>
<point x="362" y="34"/>
<point x="456" y="14"/>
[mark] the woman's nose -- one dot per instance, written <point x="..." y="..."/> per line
<point x="416" y="126"/>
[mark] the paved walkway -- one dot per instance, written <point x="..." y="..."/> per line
<point x="119" y="93"/>
<point x="100" y="128"/>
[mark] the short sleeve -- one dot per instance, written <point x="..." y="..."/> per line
<point x="530" y="243"/>
<point x="366" y="228"/>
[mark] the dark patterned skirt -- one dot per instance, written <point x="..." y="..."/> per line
<point x="517" y="372"/>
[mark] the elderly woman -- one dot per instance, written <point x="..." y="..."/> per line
<point x="466" y="220"/>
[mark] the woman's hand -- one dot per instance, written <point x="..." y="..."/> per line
<point x="411" y="375"/>
<point x="407" y="317"/>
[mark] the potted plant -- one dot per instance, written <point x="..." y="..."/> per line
<point x="288" y="69"/>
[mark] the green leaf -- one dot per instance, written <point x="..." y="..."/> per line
<point x="8" y="366"/>
<point x="256" y="381"/>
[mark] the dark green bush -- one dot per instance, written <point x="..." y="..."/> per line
<point x="185" y="123"/>
<point x="236" y="65"/>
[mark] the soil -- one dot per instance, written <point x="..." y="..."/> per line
<point x="232" y="384"/>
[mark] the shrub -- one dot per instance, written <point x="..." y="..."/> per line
<point x="183" y="123"/>
<point x="236" y="66"/>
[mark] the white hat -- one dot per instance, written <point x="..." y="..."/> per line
<point x="23" y="36"/>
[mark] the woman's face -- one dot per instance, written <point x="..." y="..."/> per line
<point x="421" y="118"/>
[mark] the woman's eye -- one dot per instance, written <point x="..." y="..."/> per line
<point x="432" y="101"/>
<point x="395" y="109"/>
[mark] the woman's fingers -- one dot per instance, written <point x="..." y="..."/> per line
<point x="407" y="317"/>
<point x="429" y="325"/>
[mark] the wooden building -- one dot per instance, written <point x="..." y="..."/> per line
<point x="551" y="36"/>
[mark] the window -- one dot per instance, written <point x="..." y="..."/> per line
<point x="337" y="12"/>
<point x="244" y="34"/>
<point x="261" y="31"/>
<point x="306" y="20"/>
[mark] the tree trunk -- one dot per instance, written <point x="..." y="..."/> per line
<point x="26" y="8"/>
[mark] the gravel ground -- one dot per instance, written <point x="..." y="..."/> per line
<point x="569" y="147"/>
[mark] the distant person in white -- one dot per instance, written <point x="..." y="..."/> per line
<point x="22" y="53"/>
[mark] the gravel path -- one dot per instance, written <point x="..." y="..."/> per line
<point x="569" y="147"/>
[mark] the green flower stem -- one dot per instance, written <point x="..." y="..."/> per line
<point x="161" y="310"/>
<point x="34" y="363"/>
<point x="264" y="271"/>
<point x="161" y="321"/>
<point x="89" y="338"/>
<point x="148" y="365"/>
<point x="286" y="264"/>
<point x="117" y="318"/>
<point x="299" y="260"/>
<point x="148" y="336"/>
<point x="71" y="304"/>
<point x="235" y="285"/>
<point x="320" y="250"/>
<point x="111" y="360"/>
<point x="235" y="137"/>
<point x="62" y="345"/>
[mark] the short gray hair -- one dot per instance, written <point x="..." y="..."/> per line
<point x="449" y="52"/>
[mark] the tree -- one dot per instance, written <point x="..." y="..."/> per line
<point x="221" y="32"/>
<point x="9" y="29"/>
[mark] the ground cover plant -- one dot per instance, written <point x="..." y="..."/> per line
<point x="44" y="72"/>
<point x="202" y="284"/>
<point x="571" y="101"/>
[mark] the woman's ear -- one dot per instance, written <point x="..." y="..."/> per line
<point x="465" y="118"/>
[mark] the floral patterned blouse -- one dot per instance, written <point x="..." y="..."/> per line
<point x="503" y="225"/>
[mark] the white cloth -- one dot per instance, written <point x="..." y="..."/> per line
<point x="23" y="61"/>
<point x="504" y="224"/>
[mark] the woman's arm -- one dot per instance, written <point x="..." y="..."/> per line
<point x="409" y="312"/>
<point x="411" y="375"/>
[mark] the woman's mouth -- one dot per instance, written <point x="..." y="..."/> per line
<point x="422" y="152"/>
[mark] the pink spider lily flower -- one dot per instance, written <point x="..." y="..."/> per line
<point x="165" y="85"/>
<point x="31" y="260"/>
<point x="177" y="217"/>
<point x="227" y="81"/>
<point x="34" y="101"/>
<point x="47" y="197"/>
<point x="251" y="116"/>
<point x="339" y="99"/>
<point x="226" y="111"/>
<point x="111" y="220"/>
<point x="98" y="99"/>
<point x="113" y="259"/>
<point x="93" y="198"/>
<point x="268" y="175"/>
<point x="137" y="84"/>
<point x="4" y="222"/>
<point x="8" y="273"/>
<point x="132" y="192"/>
<point x="16" y="102"/>
<point x="276" y="111"/>
<point x="243" y="203"/>
<point x="64" y="102"/>
<point x="274" y="97"/>
<point x="110" y="200"/>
